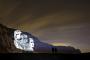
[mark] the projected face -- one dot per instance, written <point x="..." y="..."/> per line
<point x="22" y="41"/>
<point x="31" y="43"/>
<point x="17" y="34"/>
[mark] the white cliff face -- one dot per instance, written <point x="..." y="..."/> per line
<point x="23" y="41"/>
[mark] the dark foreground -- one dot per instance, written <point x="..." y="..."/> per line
<point x="46" y="56"/>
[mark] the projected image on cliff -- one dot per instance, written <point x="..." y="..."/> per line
<point x="23" y="41"/>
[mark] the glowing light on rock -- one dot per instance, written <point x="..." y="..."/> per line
<point x="23" y="41"/>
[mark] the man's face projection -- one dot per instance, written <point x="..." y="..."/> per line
<point x="17" y="34"/>
<point x="22" y="41"/>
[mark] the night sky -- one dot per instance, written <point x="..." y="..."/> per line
<point x="57" y="22"/>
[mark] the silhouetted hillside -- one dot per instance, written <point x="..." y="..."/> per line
<point x="66" y="50"/>
<point x="7" y="43"/>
